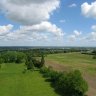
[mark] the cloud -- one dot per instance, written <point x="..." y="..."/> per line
<point x="44" y="27"/>
<point x="28" y="12"/>
<point x="93" y="28"/>
<point x="72" y="5"/>
<point x="75" y="35"/>
<point x="5" y="29"/>
<point x="93" y="36"/>
<point x="89" y="10"/>
<point x="32" y="32"/>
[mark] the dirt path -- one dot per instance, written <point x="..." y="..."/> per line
<point x="89" y="78"/>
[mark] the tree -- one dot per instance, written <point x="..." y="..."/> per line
<point x="1" y="61"/>
<point x="19" y="57"/>
<point x="42" y="61"/>
<point x="72" y="84"/>
<point x="29" y="63"/>
<point x="94" y="56"/>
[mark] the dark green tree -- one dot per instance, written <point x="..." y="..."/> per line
<point x="29" y="63"/>
<point x="94" y="56"/>
<point x="42" y="61"/>
<point x="72" y="84"/>
<point x="1" y="61"/>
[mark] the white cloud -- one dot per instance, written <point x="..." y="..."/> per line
<point x="36" y="32"/>
<point x="72" y="5"/>
<point x="29" y="12"/>
<point x="75" y="35"/>
<point x="72" y="37"/>
<point x="93" y="28"/>
<point x="93" y="36"/>
<point x="44" y="27"/>
<point x="5" y="29"/>
<point x="89" y="10"/>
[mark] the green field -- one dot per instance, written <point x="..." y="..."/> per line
<point x="14" y="83"/>
<point x="70" y="61"/>
<point x="75" y="61"/>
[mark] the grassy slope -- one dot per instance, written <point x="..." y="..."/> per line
<point x="84" y="63"/>
<point x="14" y="83"/>
<point x="75" y="61"/>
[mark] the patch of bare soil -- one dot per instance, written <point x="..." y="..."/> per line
<point x="91" y="79"/>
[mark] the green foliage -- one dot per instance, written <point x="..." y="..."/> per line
<point x="29" y="63"/>
<point x="36" y="63"/>
<point x="42" y="61"/>
<point x="12" y="56"/>
<point x="19" y="57"/>
<point x="94" y="56"/>
<point x="1" y="60"/>
<point x="72" y="84"/>
<point x="69" y="84"/>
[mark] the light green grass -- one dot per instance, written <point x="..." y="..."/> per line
<point x="14" y="83"/>
<point x="75" y="60"/>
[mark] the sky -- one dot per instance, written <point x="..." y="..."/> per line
<point x="48" y="23"/>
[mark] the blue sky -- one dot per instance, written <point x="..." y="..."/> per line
<point x="48" y="23"/>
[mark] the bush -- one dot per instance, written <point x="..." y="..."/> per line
<point x="29" y="63"/>
<point x="72" y="84"/>
<point x="94" y="56"/>
<point x="36" y="63"/>
<point x="69" y="84"/>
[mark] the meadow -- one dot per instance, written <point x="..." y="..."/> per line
<point x="15" y="83"/>
<point x="75" y="60"/>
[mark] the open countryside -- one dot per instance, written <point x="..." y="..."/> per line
<point x="28" y="72"/>
<point x="71" y="61"/>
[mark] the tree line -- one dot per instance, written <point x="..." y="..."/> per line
<point x="66" y="83"/>
<point x="29" y="58"/>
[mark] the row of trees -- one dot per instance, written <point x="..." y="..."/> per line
<point x="12" y="56"/>
<point x="67" y="84"/>
<point x="18" y="57"/>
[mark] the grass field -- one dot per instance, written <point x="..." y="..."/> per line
<point x="70" y="61"/>
<point x="75" y="61"/>
<point x="14" y="83"/>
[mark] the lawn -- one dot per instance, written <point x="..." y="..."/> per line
<point x="14" y="83"/>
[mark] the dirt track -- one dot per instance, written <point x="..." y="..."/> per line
<point x="89" y="78"/>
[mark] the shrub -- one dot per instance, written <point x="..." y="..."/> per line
<point x="94" y="56"/>
<point x="72" y="84"/>
<point x="69" y="84"/>
<point x="42" y="61"/>
<point x="29" y="63"/>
